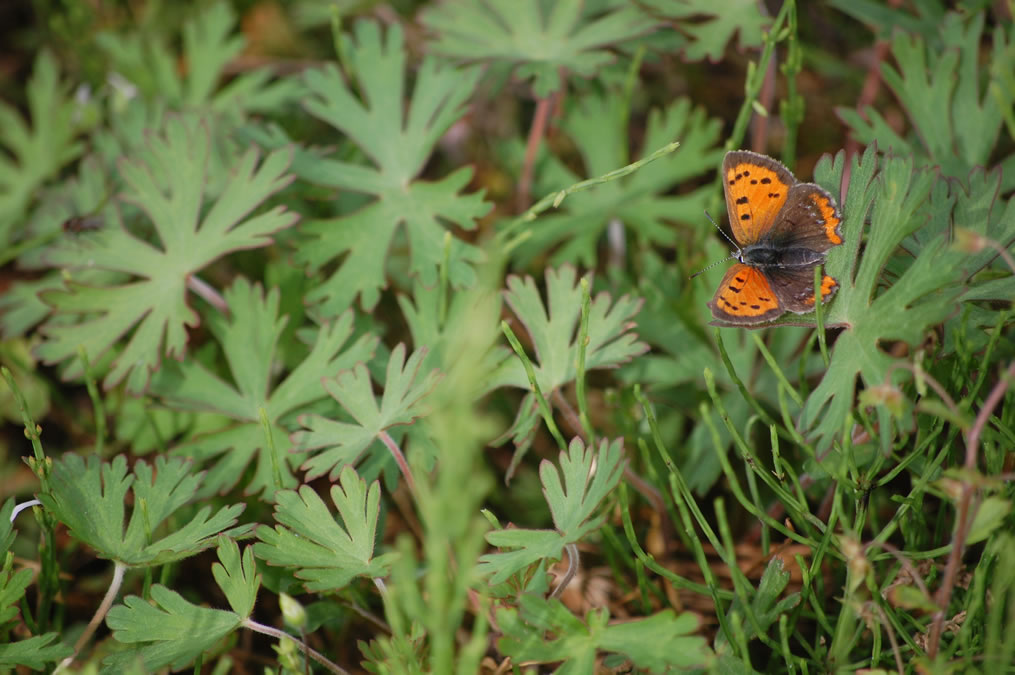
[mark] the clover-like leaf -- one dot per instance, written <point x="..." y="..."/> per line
<point x="545" y="631"/>
<point x="169" y="188"/>
<point x="90" y="498"/>
<point x="572" y="503"/>
<point x="536" y="39"/>
<point x="402" y="401"/>
<point x="398" y="138"/>
<point x="640" y="201"/>
<point x="923" y="290"/>
<point x="174" y="632"/>
<point x="553" y="331"/>
<point x="711" y="26"/>
<point x="249" y="338"/>
<point x="327" y="554"/>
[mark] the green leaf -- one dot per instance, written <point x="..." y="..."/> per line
<point x="956" y="119"/>
<point x="34" y="154"/>
<point x="924" y="289"/>
<point x="12" y="584"/>
<point x="399" y="144"/>
<point x="34" y="386"/>
<point x="766" y="605"/>
<point x="173" y="632"/>
<point x="468" y="314"/>
<point x="328" y="555"/>
<point x="655" y="644"/>
<point x="554" y="335"/>
<point x="236" y="576"/>
<point x="886" y="19"/>
<point x="402" y="402"/>
<point x="536" y="39"/>
<point x="249" y="337"/>
<point x="34" y="652"/>
<point x="209" y="45"/>
<point x="90" y="497"/>
<point x="572" y="503"/>
<point x="712" y="26"/>
<point x="989" y="516"/>
<point x="169" y="188"/>
<point x="640" y="202"/>
<point x="979" y="209"/>
<point x="21" y="307"/>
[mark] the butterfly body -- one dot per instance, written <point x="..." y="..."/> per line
<point x="783" y="229"/>
<point x="775" y="255"/>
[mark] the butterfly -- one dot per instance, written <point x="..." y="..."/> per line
<point x="783" y="229"/>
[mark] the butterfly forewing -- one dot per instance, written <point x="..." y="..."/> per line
<point x="756" y="189"/>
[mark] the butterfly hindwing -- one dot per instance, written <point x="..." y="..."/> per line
<point x="745" y="296"/>
<point x="794" y="287"/>
<point x="809" y="219"/>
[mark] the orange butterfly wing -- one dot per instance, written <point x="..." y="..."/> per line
<point x="745" y="296"/>
<point x="756" y="187"/>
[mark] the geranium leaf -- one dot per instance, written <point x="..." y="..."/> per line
<point x="174" y="632"/>
<point x="90" y="498"/>
<point x="925" y="290"/>
<point x="572" y="503"/>
<point x="711" y="27"/>
<point x="545" y="631"/>
<point x="33" y="652"/>
<point x="33" y="154"/>
<point x="210" y="43"/>
<point x="326" y="554"/>
<point x="948" y="101"/>
<point x="342" y="443"/>
<point x="536" y="39"/>
<point x="398" y="143"/>
<point x="170" y="190"/>
<point x="249" y="338"/>
<point x="640" y="202"/>
<point x="553" y="331"/>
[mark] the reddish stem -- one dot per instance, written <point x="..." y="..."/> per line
<point x="536" y="132"/>
<point x="964" y="515"/>
<point x="403" y="466"/>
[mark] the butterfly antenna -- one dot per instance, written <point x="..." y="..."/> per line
<point x="725" y="236"/>
<point x="719" y="262"/>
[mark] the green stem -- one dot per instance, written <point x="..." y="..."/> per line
<point x="544" y="407"/>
